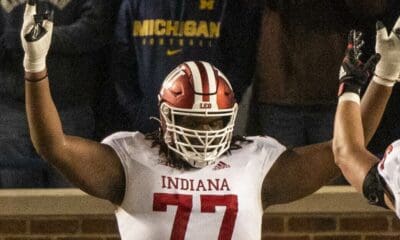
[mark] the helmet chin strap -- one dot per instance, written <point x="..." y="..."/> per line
<point x="155" y="119"/>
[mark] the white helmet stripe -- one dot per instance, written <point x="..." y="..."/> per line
<point x="226" y="80"/>
<point x="198" y="87"/>
<point x="212" y="83"/>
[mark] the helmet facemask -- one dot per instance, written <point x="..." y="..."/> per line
<point x="193" y="97"/>
<point x="199" y="147"/>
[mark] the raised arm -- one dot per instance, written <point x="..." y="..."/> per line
<point x="93" y="167"/>
<point x="358" y="165"/>
<point x="313" y="166"/>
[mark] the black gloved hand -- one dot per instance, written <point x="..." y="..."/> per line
<point x="353" y="73"/>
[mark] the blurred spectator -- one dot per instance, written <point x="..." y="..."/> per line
<point x="82" y="30"/>
<point x="154" y="36"/>
<point x="301" y="47"/>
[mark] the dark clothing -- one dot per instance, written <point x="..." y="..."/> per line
<point x="302" y="47"/>
<point x="278" y="121"/>
<point x="154" y="36"/>
<point x="82" y="28"/>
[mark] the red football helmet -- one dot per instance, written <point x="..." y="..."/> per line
<point x="197" y="90"/>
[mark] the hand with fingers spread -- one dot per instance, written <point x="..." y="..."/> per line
<point x="36" y="38"/>
<point x="388" y="46"/>
<point x="354" y="73"/>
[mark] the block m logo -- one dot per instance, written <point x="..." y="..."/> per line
<point x="207" y="4"/>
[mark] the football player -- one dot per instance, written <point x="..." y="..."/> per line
<point x="192" y="180"/>
<point x="379" y="181"/>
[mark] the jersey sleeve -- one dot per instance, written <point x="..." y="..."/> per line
<point x="389" y="169"/>
<point x="270" y="150"/>
<point x="124" y="144"/>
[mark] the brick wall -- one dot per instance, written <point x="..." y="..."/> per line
<point x="102" y="227"/>
<point x="360" y="226"/>
<point x="276" y="227"/>
<point x="330" y="214"/>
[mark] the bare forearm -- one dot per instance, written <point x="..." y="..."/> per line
<point x="349" y="147"/>
<point x="348" y="130"/>
<point x="372" y="108"/>
<point x="43" y="119"/>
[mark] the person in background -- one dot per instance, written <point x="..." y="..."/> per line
<point x="301" y="41"/>
<point x="153" y="36"/>
<point x="300" y="50"/>
<point x="83" y="28"/>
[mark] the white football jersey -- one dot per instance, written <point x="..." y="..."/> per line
<point x="219" y="201"/>
<point x="389" y="169"/>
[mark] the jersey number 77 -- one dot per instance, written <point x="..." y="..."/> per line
<point x="208" y="203"/>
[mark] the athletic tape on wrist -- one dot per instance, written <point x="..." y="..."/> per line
<point x="349" y="96"/>
<point x="37" y="80"/>
<point x="383" y="81"/>
<point x="35" y="65"/>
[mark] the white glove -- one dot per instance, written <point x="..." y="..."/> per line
<point x="389" y="48"/>
<point x="35" y="51"/>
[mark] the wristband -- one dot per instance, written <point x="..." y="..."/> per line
<point x="350" y="96"/>
<point x="383" y="81"/>
<point x="37" y="80"/>
<point x="345" y="87"/>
